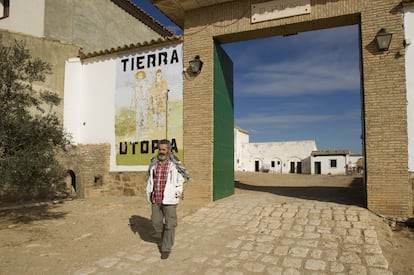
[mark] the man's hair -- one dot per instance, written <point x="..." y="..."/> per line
<point x="165" y="141"/>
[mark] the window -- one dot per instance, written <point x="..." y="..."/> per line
<point x="273" y="164"/>
<point x="4" y="8"/>
<point x="333" y="163"/>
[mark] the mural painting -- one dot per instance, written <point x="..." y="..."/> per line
<point x="148" y="104"/>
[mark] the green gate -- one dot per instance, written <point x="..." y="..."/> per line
<point x="223" y="159"/>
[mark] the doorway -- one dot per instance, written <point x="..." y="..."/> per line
<point x="257" y="166"/>
<point x="318" y="169"/>
<point x="294" y="90"/>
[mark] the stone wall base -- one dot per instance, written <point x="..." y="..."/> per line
<point x="89" y="175"/>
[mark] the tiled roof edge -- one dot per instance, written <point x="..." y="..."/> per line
<point x="142" y="16"/>
<point x="153" y="42"/>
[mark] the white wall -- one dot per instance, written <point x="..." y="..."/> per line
<point x="352" y="162"/>
<point x="326" y="164"/>
<point x="25" y="17"/>
<point x="409" y="71"/>
<point x="240" y="137"/>
<point x="72" y="103"/>
<point x="353" y="159"/>
<point x="98" y="120"/>
<point x="89" y="109"/>
<point x="282" y="153"/>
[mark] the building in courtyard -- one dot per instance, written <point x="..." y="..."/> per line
<point x="293" y="157"/>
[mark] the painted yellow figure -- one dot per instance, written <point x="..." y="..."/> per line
<point x="139" y="102"/>
<point x="159" y="91"/>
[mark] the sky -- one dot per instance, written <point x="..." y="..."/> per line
<point x="299" y="87"/>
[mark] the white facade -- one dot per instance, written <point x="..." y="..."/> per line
<point x="336" y="162"/>
<point x="240" y="137"/>
<point x="277" y="157"/>
<point x="89" y="108"/>
<point x="299" y="157"/>
<point x="329" y="163"/>
<point x="274" y="157"/>
<point x="409" y="71"/>
<point x="21" y="12"/>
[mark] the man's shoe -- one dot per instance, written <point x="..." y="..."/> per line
<point x="165" y="255"/>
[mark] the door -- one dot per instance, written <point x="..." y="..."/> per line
<point x="299" y="167"/>
<point x="223" y="158"/>
<point x="318" y="168"/>
<point x="292" y="167"/>
<point x="256" y="166"/>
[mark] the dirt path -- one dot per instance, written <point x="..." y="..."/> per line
<point x="66" y="236"/>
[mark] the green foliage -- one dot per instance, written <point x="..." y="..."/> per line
<point x="30" y="137"/>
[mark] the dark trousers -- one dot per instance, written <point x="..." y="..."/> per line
<point x="164" y="221"/>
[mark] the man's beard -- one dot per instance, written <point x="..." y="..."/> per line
<point x="162" y="157"/>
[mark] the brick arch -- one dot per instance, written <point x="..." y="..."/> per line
<point x="383" y="83"/>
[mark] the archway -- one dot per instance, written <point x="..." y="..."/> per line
<point x="384" y="129"/>
<point x="71" y="184"/>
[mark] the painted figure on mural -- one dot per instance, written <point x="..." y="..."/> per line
<point x="165" y="179"/>
<point x="159" y="96"/>
<point x="139" y="103"/>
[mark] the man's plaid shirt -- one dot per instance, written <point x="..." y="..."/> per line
<point x="160" y="179"/>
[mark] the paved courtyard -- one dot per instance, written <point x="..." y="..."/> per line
<point x="258" y="233"/>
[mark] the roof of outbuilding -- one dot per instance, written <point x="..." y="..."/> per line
<point x="132" y="46"/>
<point x="241" y="130"/>
<point x="330" y="153"/>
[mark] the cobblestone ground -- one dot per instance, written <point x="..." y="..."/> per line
<point x="258" y="234"/>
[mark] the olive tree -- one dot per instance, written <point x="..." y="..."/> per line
<point x="30" y="132"/>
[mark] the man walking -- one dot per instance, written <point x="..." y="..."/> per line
<point x="164" y="188"/>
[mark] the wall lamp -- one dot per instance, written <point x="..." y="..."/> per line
<point x="383" y="39"/>
<point x="195" y="65"/>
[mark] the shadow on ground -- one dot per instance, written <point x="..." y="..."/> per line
<point x="28" y="215"/>
<point x="143" y="227"/>
<point x="349" y="195"/>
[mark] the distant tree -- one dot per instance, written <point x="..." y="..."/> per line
<point x="30" y="133"/>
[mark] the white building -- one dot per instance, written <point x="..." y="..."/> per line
<point x="332" y="162"/>
<point x="274" y="157"/>
<point x="299" y="157"/>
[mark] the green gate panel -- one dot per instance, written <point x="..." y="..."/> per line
<point x="223" y="158"/>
